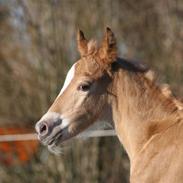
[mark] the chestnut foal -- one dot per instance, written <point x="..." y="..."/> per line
<point x="146" y="117"/>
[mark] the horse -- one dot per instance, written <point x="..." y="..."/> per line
<point x="147" y="118"/>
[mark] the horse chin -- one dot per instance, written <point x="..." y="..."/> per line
<point x="60" y="138"/>
<point x="59" y="148"/>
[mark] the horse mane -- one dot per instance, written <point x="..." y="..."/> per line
<point x="129" y="65"/>
<point x="138" y="67"/>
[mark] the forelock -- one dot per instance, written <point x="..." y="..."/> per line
<point x="92" y="47"/>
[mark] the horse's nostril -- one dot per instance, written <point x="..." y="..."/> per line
<point x="43" y="129"/>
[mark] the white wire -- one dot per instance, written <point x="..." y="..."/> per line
<point x="18" y="137"/>
<point x="97" y="133"/>
<point x="33" y="136"/>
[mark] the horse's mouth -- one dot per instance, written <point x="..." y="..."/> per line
<point x="56" y="137"/>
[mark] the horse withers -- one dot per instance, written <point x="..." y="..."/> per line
<point x="147" y="119"/>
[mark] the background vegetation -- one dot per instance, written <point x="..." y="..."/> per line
<point x="38" y="46"/>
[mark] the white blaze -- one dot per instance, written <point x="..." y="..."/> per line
<point x="53" y="116"/>
<point x="68" y="79"/>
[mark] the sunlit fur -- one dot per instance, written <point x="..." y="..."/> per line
<point x="147" y="118"/>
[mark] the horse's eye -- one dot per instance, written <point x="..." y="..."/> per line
<point x="84" y="87"/>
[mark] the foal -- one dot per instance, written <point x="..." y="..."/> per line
<point x="147" y="119"/>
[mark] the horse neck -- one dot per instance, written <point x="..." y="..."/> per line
<point x="140" y="110"/>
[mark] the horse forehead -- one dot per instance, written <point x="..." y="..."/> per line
<point x="79" y="68"/>
<point x="88" y="66"/>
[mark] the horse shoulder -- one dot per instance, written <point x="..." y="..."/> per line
<point x="160" y="160"/>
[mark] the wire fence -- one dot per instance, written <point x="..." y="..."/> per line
<point x="33" y="136"/>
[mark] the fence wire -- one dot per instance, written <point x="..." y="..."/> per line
<point x="33" y="136"/>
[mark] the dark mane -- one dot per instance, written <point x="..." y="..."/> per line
<point x="133" y="66"/>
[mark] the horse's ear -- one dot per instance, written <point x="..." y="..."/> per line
<point x="82" y="43"/>
<point x="108" y="50"/>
